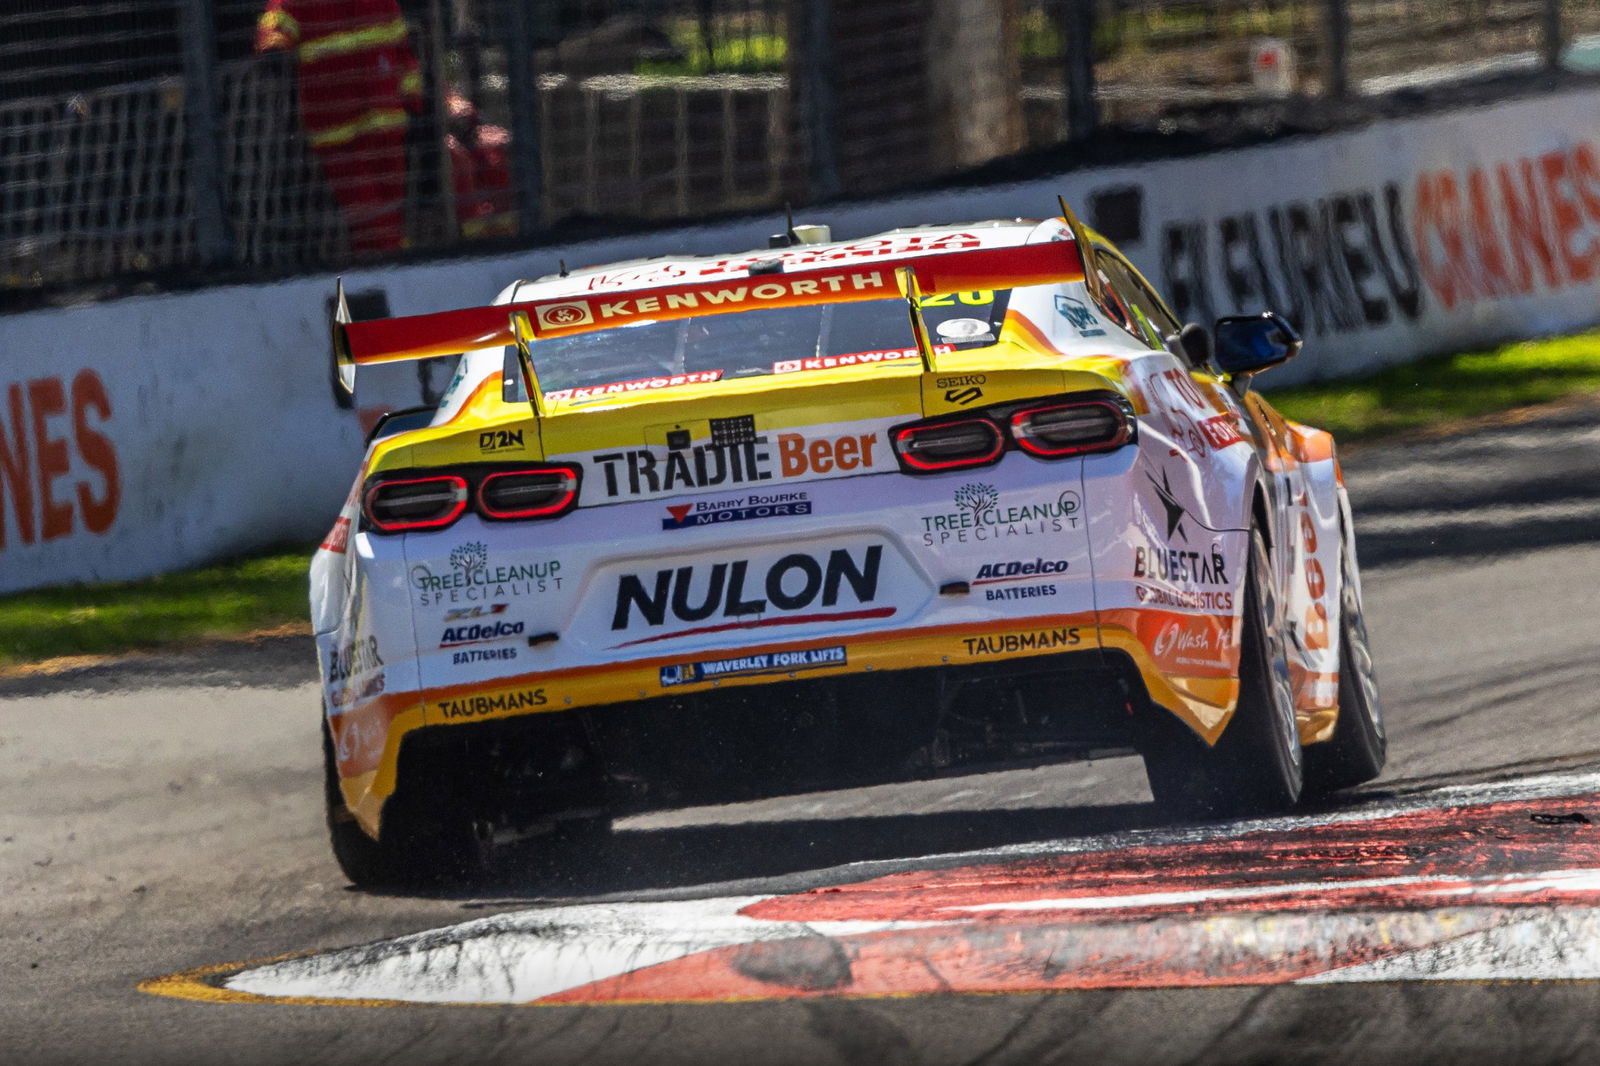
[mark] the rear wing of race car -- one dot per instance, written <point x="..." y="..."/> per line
<point x="450" y="332"/>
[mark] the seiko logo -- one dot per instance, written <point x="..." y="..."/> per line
<point x="729" y="590"/>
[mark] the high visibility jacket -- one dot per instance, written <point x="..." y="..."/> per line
<point x="358" y="73"/>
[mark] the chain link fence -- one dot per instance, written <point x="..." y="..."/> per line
<point x="199" y="138"/>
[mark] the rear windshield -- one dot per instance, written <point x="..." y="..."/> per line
<point x="770" y="341"/>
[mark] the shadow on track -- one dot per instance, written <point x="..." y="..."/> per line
<point x="804" y="853"/>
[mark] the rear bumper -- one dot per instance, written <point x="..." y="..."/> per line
<point x="739" y="742"/>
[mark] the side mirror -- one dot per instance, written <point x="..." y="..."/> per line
<point x="1193" y="343"/>
<point x="1247" y="344"/>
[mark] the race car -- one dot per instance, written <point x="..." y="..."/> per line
<point x="941" y="500"/>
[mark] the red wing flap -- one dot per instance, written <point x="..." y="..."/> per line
<point x="448" y="332"/>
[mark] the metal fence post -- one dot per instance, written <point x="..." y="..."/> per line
<point x="1337" y="27"/>
<point x="202" y="120"/>
<point x="818" y="103"/>
<point x="523" y="98"/>
<point x="1083" y="113"/>
<point x="1550" y="34"/>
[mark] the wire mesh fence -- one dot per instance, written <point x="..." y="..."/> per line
<point x="264" y="137"/>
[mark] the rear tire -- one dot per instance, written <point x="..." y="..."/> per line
<point x="1356" y="752"/>
<point x="444" y="843"/>
<point x="358" y="855"/>
<point x="1256" y="766"/>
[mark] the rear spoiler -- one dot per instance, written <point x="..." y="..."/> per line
<point x="388" y="340"/>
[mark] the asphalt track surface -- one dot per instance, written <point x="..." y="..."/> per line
<point x="162" y="814"/>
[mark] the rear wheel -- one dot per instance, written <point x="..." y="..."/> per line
<point x="1256" y="766"/>
<point x="358" y="855"/>
<point x="1356" y="752"/>
<point x="441" y="842"/>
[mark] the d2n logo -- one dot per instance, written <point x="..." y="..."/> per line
<point x="495" y="440"/>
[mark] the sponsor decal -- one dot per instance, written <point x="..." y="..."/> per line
<point x="772" y="289"/>
<point x="737" y="509"/>
<point x="898" y="244"/>
<point x="1222" y="431"/>
<point x="1181" y="644"/>
<point x="480" y="706"/>
<point x="980" y="517"/>
<point x="44" y="425"/>
<point x="482" y="655"/>
<point x="829" y="362"/>
<point x="1019" y="592"/>
<point x="1216" y="602"/>
<point x="798" y="455"/>
<point x="735" y="455"/>
<point x="648" y="471"/>
<point x="1018" y="570"/>
<point x="962" y="390"/>
<point x="479" y="633"/>
<point x="472" y="578"/>
<point x="1078" y="315"/>
<point x="730" y="590"/>
<point x="357" y="737"/>
<point x="494" y="440"/>
<point x="1314" y="631"/>
<point x="1175" y="510"/>
<point x="353" y="694"/>
<point x="1180" y="567"/>
<point x="1010" y="643"/>
<point x="617" y="388"/>
<point x="964" y="329"/>
<point x="564" y="315"/>
<point x="338" y="538"/>
<point x="482" y="610"/>
<point x="773" y="662"/>
<point x="1188" y="417"/>
<point x="355" y="657"/>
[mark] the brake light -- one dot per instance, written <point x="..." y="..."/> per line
<point x="948" y="445"/>
<point x="539" y="492"/>
<point x="1056" y="430"/>
<point x="415" y="503"/>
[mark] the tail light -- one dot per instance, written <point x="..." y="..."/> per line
<point x="1057" y="430"/>
<point x="416" y="503"/>
<point x="1051" y="428"/>
<point x="500" y="492"/>
<point x="540" y="492"/>
<point x="934" y="446"/>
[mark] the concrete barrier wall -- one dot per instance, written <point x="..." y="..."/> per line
<point x="152" y="433"/>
